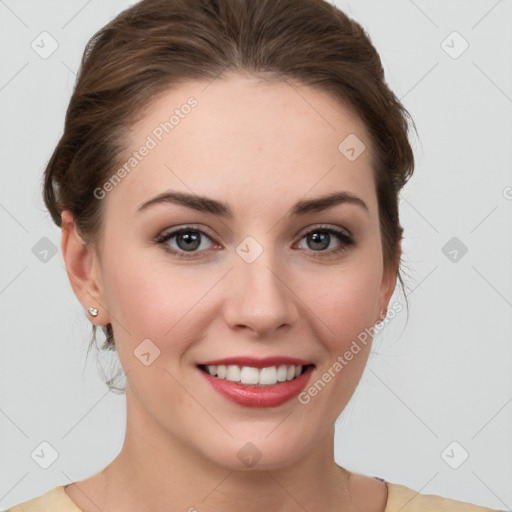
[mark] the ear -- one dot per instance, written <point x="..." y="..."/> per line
<point x="388" y="283"/>
<point x="83" y="269"/>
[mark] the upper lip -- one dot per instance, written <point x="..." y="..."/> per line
<point x="254" y="362"/>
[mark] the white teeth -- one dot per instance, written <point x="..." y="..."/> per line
<point x="248" y="375"/>
<point x="233" y="373"/>
<point x="267" y="375"/>
<point x="281" y="373"/>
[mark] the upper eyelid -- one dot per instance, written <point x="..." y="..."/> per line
<point x="301" y="233"/>
<point x="326" y="227"/>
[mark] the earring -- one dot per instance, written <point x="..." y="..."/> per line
<point x="93" y="311"/>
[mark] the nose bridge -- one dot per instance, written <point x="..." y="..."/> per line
<point x="258" y="297"/>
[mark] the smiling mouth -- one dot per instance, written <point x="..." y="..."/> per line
<point x="260" y="377"/>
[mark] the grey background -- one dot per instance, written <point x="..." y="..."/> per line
<point x="443" y="377"/>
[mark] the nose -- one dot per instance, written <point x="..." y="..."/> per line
<point x="260" y="297"/>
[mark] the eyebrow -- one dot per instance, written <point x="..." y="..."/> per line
<point x="212" y="206"/>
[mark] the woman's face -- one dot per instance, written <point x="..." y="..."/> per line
<point x="268" y="278"/>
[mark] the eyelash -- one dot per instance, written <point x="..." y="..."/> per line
<point x="346" y="241"/>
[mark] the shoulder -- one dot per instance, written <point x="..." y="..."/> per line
<point x="404" y="499"/>
<point x="55" y="500"/>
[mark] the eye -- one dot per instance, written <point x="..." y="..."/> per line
<point x="187" y="239"/>
<point x="320" y="238"/>
<point x="190" y="240"/>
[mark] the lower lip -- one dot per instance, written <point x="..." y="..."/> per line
<point x="259" y="396"/>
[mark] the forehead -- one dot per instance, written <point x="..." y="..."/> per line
<point x="257" y="105"/>
<point x="238" y="134"/>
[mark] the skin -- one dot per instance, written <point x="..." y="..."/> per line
<point x="258" y="146"/>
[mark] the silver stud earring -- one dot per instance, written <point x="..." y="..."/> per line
<point x="93" y="311"/>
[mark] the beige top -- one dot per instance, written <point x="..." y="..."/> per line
<point x="400" y="499"/>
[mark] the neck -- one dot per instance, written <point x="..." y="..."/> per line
<point x="156" y="472"/>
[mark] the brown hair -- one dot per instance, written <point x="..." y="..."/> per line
<point x="155" y="44"/>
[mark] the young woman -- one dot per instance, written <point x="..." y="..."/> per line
<point x="227" y="187"/>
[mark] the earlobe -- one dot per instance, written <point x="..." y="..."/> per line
<point x="82" y="269"/>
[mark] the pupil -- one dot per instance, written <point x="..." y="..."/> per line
<point x="320" y="238"/>
<point x="189" y="238"/>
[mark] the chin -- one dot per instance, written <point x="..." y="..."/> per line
<point x="257" y="450"/>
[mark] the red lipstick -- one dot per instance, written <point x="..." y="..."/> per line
<point x="257" y="362"/>
<point x="250" y="395"/>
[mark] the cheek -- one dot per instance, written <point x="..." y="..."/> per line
<point x="344" y="302"/>
<point x="343" y="316"/>
<point x="150" y="300"/>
